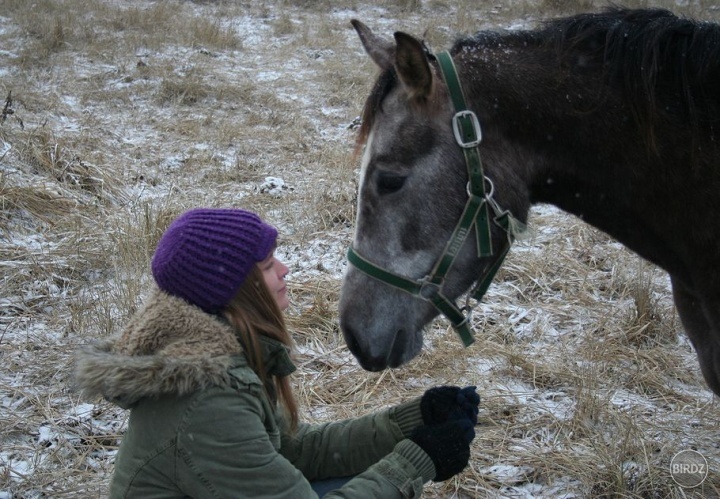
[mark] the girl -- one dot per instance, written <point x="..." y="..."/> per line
<point x="204" y="368"/>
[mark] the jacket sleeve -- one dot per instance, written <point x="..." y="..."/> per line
<point x="226" y="451"/>
<point x="350" y="446"/>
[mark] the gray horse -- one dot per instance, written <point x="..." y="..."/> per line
<point x="611" y="116"/>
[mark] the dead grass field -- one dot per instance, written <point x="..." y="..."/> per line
<point x="119" y="115"/>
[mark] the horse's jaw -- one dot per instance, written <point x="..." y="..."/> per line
<point x="378" y="324"/>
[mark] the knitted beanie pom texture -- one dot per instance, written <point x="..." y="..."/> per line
<point x="206" y="253"/>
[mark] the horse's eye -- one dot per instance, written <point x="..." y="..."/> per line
<point x="388" y="183"/>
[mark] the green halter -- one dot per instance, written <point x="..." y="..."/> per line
<point x="475" y="215"/>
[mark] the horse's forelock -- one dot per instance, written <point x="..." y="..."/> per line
<point x="383" y="86"/>
<point x="385" y="83"/>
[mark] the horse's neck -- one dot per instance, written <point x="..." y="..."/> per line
<point x="580" y="153"/>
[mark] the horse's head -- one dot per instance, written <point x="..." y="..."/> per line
<point x="413" y="188"/>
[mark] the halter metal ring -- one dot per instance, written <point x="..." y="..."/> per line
<point x="489" y="195"/>
<point x="429" y="290"/>
<point x="468" y="311"/>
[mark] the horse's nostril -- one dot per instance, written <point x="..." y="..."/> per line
<point x="354" y="345"/>
<point x="397" y="353"/>
<point x="350" y="340"/>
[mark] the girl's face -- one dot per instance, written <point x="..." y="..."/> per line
<point x="274" y="272"/>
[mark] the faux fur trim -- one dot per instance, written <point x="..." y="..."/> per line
<point x="167" y="347"/>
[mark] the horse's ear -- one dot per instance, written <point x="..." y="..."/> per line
<point x="382" y="52"/>
<point x="411" y="64"/>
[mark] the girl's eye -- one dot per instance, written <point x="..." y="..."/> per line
<point x="387" y="183"/>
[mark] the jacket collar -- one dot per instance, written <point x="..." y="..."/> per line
<point x="276" y="357"/>
<point x="168" y="347"/>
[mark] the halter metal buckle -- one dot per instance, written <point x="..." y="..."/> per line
<point x="457" y="129"/>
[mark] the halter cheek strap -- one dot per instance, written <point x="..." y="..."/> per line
<point x="475" y="215"/>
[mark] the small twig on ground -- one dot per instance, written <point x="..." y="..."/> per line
<point x="9" y="111"/>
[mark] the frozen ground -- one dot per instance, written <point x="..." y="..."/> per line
<point x="563" y="388"/>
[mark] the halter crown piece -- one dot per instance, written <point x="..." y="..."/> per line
<point x="468" y="135"/>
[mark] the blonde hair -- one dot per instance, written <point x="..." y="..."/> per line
<point x="254" y="312"/>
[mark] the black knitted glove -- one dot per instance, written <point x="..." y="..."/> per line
<point x="447" y="445"/>
<point x="444" y="403"/>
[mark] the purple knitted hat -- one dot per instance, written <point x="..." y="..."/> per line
<point x="206" y="254"/>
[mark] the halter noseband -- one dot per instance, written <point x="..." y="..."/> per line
<point x="466" y="129"/>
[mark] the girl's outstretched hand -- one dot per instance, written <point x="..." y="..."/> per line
<point x="445" y="403"/>
<point x="447" y="444"/>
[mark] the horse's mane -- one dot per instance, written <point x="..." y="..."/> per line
<point x="661" y="63"/>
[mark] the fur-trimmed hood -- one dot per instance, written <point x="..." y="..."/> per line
<point x="167" y="347"/>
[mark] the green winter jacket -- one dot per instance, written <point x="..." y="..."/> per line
<point x="202" y="426"/>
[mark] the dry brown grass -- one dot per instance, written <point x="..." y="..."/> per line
<point x="124" y="114"/>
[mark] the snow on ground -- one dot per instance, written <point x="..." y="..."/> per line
<point x="535" y="306"/>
